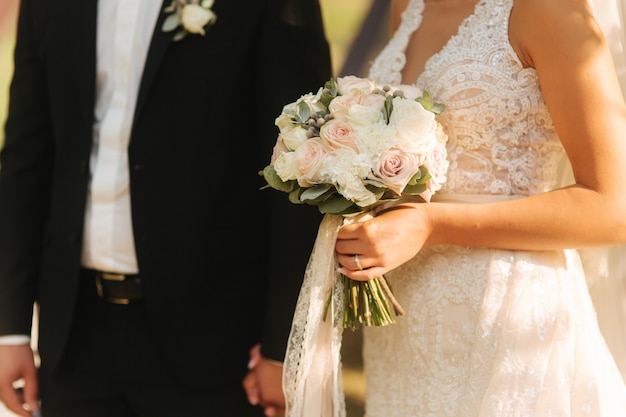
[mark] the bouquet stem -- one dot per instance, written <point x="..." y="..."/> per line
<point x="367" y="303"/>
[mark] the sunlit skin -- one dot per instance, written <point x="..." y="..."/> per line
<point x="17" y="362"/>
<point x="562" y="41"/>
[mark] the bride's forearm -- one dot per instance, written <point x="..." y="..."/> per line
<point x="572" y="217"/>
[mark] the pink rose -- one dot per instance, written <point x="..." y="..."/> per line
<point x="338" y="134"/>
<point x="279" y="149"/>
<point x="340" y="105"/>
<point x="309" y="159"/>
<point x="395" y="169"/>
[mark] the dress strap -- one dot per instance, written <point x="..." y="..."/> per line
<point x="387" y="68"/>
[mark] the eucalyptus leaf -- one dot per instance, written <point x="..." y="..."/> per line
<point x="315" y="192"/>
<point x="335" y="205"/>
<point x="294" y="196"/>
<point x="388" y="108"/>
<point x="303" y="112"/>
<point x="414" y="189"/>
<point x="421" y="177"/>
<point x="170" y="23"/>
<point x="274" y="181"/>
<point x="426" y="101"/>
<point x="179" y="35"/>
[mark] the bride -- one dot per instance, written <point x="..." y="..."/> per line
<point x="499" y="319"/>
<point x="499" y="322"/>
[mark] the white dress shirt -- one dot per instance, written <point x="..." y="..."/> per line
<point x="124" y="32"/>
<point x="125" y="29"/>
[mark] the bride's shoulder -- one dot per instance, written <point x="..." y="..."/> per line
<point x="537" y="25"/>
<point x="556" y="11"/>
<point x="397" y="7"/>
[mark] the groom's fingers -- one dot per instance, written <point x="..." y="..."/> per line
<point x="251" y="386"/>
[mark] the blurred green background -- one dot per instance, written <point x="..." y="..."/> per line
<point x="344" y="20"/>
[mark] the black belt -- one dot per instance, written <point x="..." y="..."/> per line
<point x="117" y="288"/>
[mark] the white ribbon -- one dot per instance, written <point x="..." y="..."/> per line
<point x="312" y="379"/>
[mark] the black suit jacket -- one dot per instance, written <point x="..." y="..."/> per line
<point x="212" y="247"/>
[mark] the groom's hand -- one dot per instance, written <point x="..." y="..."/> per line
<point x="263" y="383"/>
<point x="17" y="363"/>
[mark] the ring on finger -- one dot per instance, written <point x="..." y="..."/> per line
<point x="357" y="262"/>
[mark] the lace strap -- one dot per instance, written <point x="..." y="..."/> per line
<point x="388" y="65"/>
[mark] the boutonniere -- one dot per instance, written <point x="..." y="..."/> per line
<point x="188" y="16"/>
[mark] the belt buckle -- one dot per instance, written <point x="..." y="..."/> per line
<point x="100" y="288"/>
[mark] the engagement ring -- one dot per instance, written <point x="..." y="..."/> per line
<point x="358" y="262"/>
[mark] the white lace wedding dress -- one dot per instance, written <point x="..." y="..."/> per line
<point x="488" y="333"/>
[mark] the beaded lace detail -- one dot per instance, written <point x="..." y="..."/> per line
<point x="502" y="140"/>
<point x="488" y="333"/>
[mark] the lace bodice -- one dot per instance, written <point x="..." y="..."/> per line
<point x="487" y="332"/>
<point x="501" y="137"/>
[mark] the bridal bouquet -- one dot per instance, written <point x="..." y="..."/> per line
<point x="353" y="146"/>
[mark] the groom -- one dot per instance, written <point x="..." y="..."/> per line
<point x="130" y="209"/>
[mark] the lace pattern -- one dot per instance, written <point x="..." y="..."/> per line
<point x="495" y="111"/>
<point x="488" y="333"/>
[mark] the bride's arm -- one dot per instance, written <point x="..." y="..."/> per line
<point x="562" y="41"/>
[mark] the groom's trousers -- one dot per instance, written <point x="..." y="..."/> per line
<point x="113" y="368"/>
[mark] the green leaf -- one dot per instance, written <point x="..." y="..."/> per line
<point x="179" y="35"/>
<point x="170" y="23"/>
<point x="327" y="96"/>
<point x="388" y="108"/>
<point x="414" y="189"/>
<point x="427" y="102"/>
<point x="421" y="177"/>
<point x="303" y="112"/>
<point x="274" y="181"/>
<point x="335" y="205"/>
<point x="315" y="192"/>
<point x="294" y="196"/>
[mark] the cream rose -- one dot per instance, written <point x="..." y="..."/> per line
<point x="415" y="127"/>
<point x="365" y="115"/>
<point x="285" y="166"/>
<point x="293" y="136"/>
<point x="194" y="18"/>
<point x="309" y="161"/>
<point x="340" y="105"/>
<point x="350" y="82"/>
<point x="339" y="134"/>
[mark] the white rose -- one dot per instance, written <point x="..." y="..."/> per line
<point x="415" y="127"/>
<point x="354" y="189"/>
<point x="285" y="166"/>
<point x="195" y="17"/>
<point x="293" y="136"/>
<point x="285" y="120"/>
<point x="350" y="82"/>
<point x="364" y="115"/>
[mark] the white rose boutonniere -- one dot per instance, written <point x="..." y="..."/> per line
<point x="188" y="16"/>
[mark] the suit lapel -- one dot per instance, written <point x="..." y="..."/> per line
<point x="158" y="47"/>
<point x="83" y="17"/>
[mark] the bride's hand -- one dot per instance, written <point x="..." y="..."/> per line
<point x="382" y="243"/>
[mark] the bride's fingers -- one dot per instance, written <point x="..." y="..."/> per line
<point x="353" y="262"/>
<point x="364" y="275"/>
